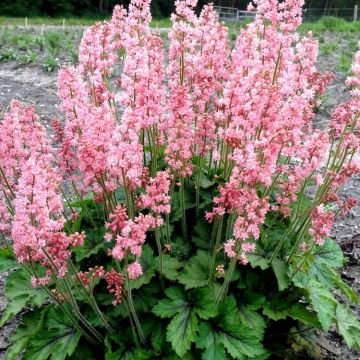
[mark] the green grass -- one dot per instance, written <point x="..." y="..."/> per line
<point x="327" y="48"/>
<point x="330" y="24"/>
<point x="326" y="24"/>
<point x="26" y="45"/>
<point x="345" y="63"/>
<point x="16" y="21"/>
<point x="161" y="23"/>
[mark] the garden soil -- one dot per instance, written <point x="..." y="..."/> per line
<point x="32" y="85"/>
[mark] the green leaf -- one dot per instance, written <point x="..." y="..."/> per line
<point x="326" y="259"/>
<point x="13" y="307"/>
<point x="227" y="332"/>
<point x="137" y="355"/>
<point x="323" y="272"/>
<point x="7" y="260"/>
<point x="238" y="339"/>
<point x="323" y="303"/>
<point x="168" y="307"/>
<point x="330" y="253"/>
<point x="208" y="340"/>
<point x="202" y="234"/>
<point x="304" y="342"/>
<point x="205" y="183"/>
<point x="181" y="331"/>
<point x="274" y="314"/>
<point x="19" y="283"/>
<point x="158" y="337"/>
<point x="348" y="326"/>
<point x="20" y="293"/>
<point x="301" y="313"/>
<point x="182" y="328"/>
<point x="258" y="261"/>
<point x="301" y="279"/>
<point x="175" y="292"/>
<point x="253" y="300"/>
<point x="345" y="288"/>
<point x="196" y="271"/>
<point x="88" y="203"/>
<point x="205" y="303"/>
<point x="180" y="247"/>
<point x="176" y="212"/>
<point x="253" y="320"/>
<point x="202" y="302"/>
<point x="147" y="262"/>
<point x="57" y="341"/>
<point x="93" y="244"/>
<point x="171" y="266"/>
<point x="32" y="322"/>
<point x="175" y="303"/>
<point x="281" y="272"/>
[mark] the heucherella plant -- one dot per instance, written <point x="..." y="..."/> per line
<point x="183" y="207"/>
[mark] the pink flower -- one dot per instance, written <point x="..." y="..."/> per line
<point x="248" y="247"/>
<point x="229" y="248"/>
<point x="38" y="222"/>
<point x="77" y="239"/>
<point x="115" y="286"/>
<point x="134" y="270"/>
<point x="22" y="136"/>
<point x="133" y="236"/>
<point x="156" y="195"/>
<point x="321" y="223"/>
<point x="117" y="219"/>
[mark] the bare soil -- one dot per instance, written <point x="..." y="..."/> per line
<point x="32" y="85"/>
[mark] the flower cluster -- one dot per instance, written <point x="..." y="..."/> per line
<point x="156" y="197"/>
<point x="241" y="118"/>
<point x="321" y="223"/>
<point x="115" y="286"/>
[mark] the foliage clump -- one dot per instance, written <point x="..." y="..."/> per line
<point x="173" y="218"/>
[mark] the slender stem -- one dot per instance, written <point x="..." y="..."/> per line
<point x="8" y="202"/>
<point x="301" y="195"/>
<point x="159" y="246"/>
<point x="223" y="291"/>
<point x="197" y="185"/>
<point x="78" y="313"/>
<point x="73" y="303"/>
<point x="215" y="251"/>
<point x="283" y="239"/>
<point x="213" y="234"/>
<point x="303" y="262"/>
<point x="302" y="230"/>
<point x="67" y="200"/>
<point x="133" y="328"/>
<point x="6" y="182"/>
<point x="66" y="312"/>
<point x="229" y="226"/>
<point x="133" y="310"/>
<point x="183" y="209"/>
<point x="83" y="204"/>
<point x="91" y="300"/>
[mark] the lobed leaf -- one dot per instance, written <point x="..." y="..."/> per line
<point x="196" y="271"/>
<point x="281" y="272"/>
<point x="20" y="293"/>
<point x="181" y="331"/>
<point x="323" y="303"/>
<point x="348" y="326"/>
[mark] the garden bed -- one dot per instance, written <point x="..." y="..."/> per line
<point x="32" y="85"/>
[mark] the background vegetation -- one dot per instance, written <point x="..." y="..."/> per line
<point x="101" y="8"/>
